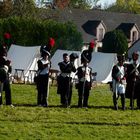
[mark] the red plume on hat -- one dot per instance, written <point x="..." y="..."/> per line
<point x="7" y="35"/>
<point x="47" y="49"/>
<point x="87" y="54"/>
<point x="51" y="42"/>
<point x="92" y="44"/>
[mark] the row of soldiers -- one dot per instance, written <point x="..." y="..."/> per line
<point x="84" y="74"/>
<point x="64" y="80"/>
<point x="126" y="81"/>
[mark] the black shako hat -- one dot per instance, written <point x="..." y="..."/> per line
<point x="87" y="54"/>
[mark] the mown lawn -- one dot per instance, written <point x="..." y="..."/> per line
<point x="99" y="122"/>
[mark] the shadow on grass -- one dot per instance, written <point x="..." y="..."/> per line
<point x="61" y="106"/>
<point x="89" y="107"/>
<point x="25" y="105"/>
<point x="73" y="106"/>
<point x="104" y="123"/>
<point x="35" y="105"/>
<point x="101" y="107"/>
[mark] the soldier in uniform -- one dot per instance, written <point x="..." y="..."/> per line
<point x="84" y="83"/>
<point x="133" y="81"/>
<point x="118" y="76"/>
<point x="84" y="74"/>
<point x="65" y="80"/>
<point x="5" y="70"/>
<point x="42" y="80"/>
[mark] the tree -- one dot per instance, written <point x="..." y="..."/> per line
<point x="17" y="8"/>
<point x="6" y="8"/>
<point x="95" y="4"/>
<point x="127" y="6"/>
<point x="31" y="32"/>
<point x="83" y="4"/>
<point x="24" y="7"/>
<point x="61" y="3"/>
<point x="115" y="42"/>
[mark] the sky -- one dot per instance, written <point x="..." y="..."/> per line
<point x="106" y="2"/>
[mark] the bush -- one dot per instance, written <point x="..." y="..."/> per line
<point x="32" y="32"/>
<point x="115" y="42"/>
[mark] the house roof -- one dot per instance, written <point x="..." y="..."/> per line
<point x="111" y="19"/>
<point x="90" y="26"/>
<point x="126" y="28"/>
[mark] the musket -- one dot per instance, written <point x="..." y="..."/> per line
<point x="73" y="57"/>
<point x="133" y="91"/>
<point x="83" y="90"/>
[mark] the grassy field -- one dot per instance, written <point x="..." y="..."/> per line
<point x="99" y="122"/>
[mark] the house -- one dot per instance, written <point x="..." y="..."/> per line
<point x="108" y="20"/>
<point x="131" y="31"/>
<point x="96" y="28"/>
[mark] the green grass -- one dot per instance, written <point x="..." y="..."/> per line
<point x="99" y="122"/>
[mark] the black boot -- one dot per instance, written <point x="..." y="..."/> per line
<point x="131" y="103"/>
<point x="115" y="101"/>
<point x="123" y="101"/>
<point x="80" y="104"/>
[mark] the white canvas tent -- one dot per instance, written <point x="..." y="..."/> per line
<point x="101" y="63"/>
<point x="24" y="58"/>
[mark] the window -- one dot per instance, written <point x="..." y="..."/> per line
<point x="101" y="34"/>
<point x="134" y="36"/>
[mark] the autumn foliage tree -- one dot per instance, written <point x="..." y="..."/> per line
<point x="6" y="8"/>
<point x="127" y="6"/>
<point x="62" y="3"/>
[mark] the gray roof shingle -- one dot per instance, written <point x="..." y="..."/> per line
<point x="111" y="19"/>
<point x="90" y="26"/>
<point x="126" y="28"/>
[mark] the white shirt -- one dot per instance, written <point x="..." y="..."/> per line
<point x="87" y="71"/>
<point x="46" y="69"/>
<point x="118" y="87"/>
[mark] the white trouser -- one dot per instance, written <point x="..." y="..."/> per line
<point x="118" y="88"/>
